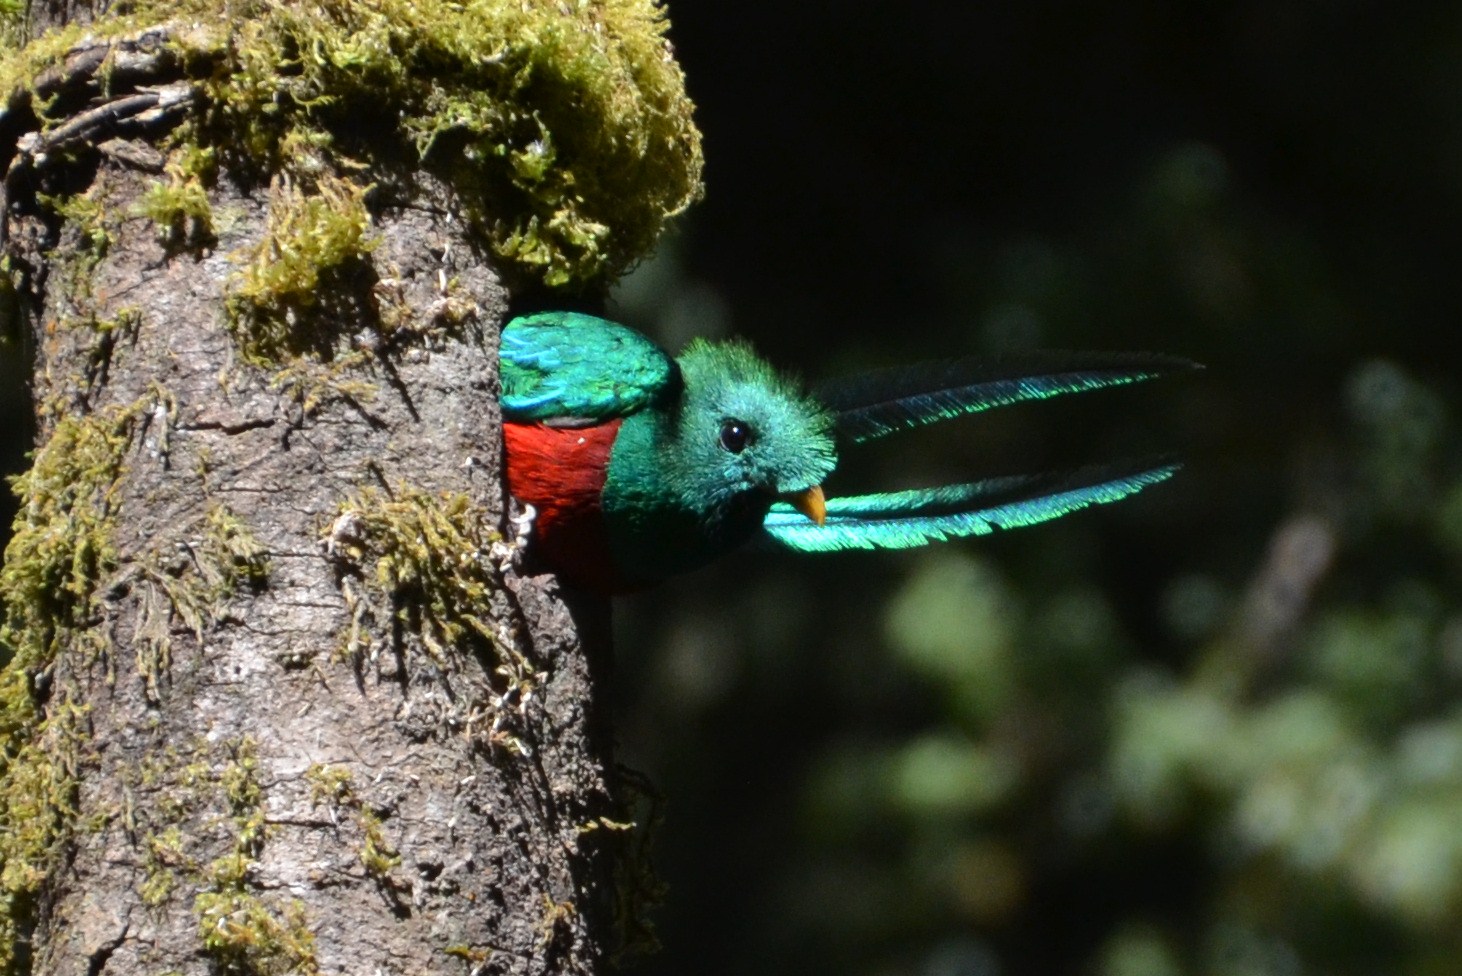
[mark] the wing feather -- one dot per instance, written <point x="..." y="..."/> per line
<point x="568" y="367"/>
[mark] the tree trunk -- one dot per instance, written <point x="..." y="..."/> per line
<point x="279" y="701"/>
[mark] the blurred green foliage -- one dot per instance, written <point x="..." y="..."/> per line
<point x="1212" y="731"/>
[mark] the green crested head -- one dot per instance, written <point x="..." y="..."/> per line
<point x="694" y="476"/>
<point x="745" y="428"/>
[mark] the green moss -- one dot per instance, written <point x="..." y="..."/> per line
<point x="329" y="784"/>
<point x="179" y="205"/>
<point x="335" y="786"/>
<point x="240" y="782"/>
<point x="473" y="957"/>
<point x="180" y="209"/>
<point x="179" y="786"/>
<point x="88" y="229"/>
<point x="163" y="858"/>
<point x="185" y="786"/>
<point x="193" y="587"/>
<point x="245" y="936"/>
<point x="417" y="577"/>
<point x="377" y="855"/>
<point x="101" y="337"/>
<point x="311" y="241"/>
<point x="241" y="931"/>
<point x="12" y="24"/>
<point x="38" y="784"/>
<point x="61" y="549"/>
<point x="90" y="217"/>
<point x="238" y="558"/>
<point x="566" y="129"/>
<point x="62" y="542"/>
<point x="422" y="553"/>
<point x="400" y="322"/>
<point x="312" y="384"/>
<point x="563" y="128"/>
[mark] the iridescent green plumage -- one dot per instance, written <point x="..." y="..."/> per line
<point x="905" y="519"/>
<point x="705" y="445"/>
<point x="881" y="402"/>
<point x="558" y="365"/>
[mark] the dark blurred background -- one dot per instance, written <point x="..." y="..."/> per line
<point x="1215" y="729"/>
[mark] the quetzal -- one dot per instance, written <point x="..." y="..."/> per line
<point x="640" y="466"/>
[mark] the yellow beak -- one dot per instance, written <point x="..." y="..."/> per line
<point x="810" y="503"/>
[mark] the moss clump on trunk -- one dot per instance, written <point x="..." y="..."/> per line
<point x="564" y="129"/>
<point x="312" y="239"/>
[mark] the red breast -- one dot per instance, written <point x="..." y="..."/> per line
<point x="560" y="471"/>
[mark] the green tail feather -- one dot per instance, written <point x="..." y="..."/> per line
<point x="881" y="402"/>
<point x="905" y="519"/>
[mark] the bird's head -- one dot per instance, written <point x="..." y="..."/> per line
<point x="747" y="435"/>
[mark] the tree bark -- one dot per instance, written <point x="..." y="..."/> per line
<point x="279" y="700"/>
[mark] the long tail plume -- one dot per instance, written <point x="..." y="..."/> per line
<point x="904" y="519"/>
<point x="873" y="404"/>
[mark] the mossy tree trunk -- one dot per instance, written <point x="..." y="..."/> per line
<point x="278" y="700"/>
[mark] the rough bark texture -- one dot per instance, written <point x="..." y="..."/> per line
<point x="307" y="717"/>
<point x="43" y="15"/>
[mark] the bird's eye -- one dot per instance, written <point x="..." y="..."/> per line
<point x="734" y="435"/>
